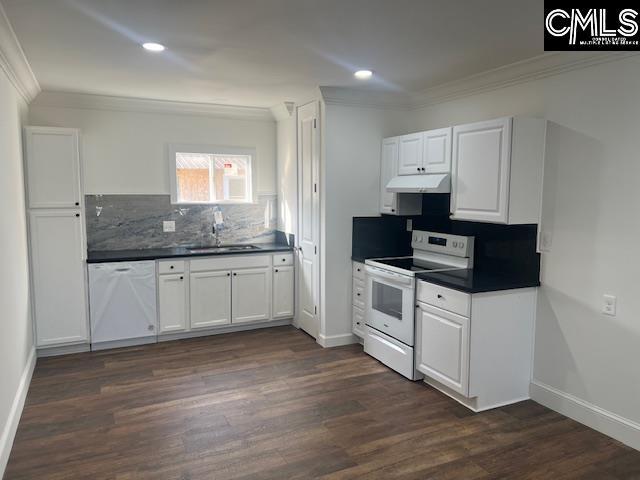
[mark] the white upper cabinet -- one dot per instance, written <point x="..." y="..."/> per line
<point x="497" y="170"/>
<point x="60" y="298"/>
<point x="53" y="167"/>
<point x="251" y="295"/>
<point x="388" y="170"/>
<point x="410" y="154"/>
<point x="437" y="151"/>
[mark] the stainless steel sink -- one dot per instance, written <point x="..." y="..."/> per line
<point x="224" y="248"/>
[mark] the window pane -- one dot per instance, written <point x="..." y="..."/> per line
<point x="232" y="179"/>
<point x="193" y="174"/>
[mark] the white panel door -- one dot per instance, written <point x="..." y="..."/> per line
<point x="172" y="292"/>
<point x="251" y="294"/>
<point x="388" y="170"/>
<point x="59" y="277"/>
<point x="210" y="299"/>
<point x="53" y="167"/>
<point x="410" y="154"/>
<point x="444" y="348"/>
<point x="309" y="218"/>
<point x="437" y="151"/>
<point x="480" y="174"/>
<point x="282" y="305"/>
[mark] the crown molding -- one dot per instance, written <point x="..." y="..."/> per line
<point x="365" y="98"/>
<point x="14" y="62"/>
<point x="282" y="111"/>
<point x="145" y="105"/>
<point x="542" y="66"/>
<point x="534" y="68"/>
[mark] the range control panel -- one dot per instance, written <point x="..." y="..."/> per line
<point x="442" y="243"/>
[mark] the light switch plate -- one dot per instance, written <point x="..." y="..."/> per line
<point x="546" y="241"/>
<point x="409" y="225"/>
<point x="609" y="305"/>
<point x="169" y="226"/>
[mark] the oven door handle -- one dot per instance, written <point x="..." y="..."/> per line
<point x="399" y="279"/>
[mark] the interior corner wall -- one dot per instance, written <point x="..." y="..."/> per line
<point x="287" y="174"/>
<point x="350" y="187"/>
<point x="584" y="361"/>
<point x="16" y="337"/>
<point x="124" y="152"/>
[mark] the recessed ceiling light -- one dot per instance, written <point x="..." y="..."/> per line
<point x="363" y="74"/>
<point x="153" y="47"/>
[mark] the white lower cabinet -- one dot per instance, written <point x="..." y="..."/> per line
<point x="59" y="277"/>
<point x="251" y="295"/>
<point x="476" y="347"/>
<point x="358" y="299"/>
<point x="172" y="293"/>
<point x="210" y="299"/>
<point x="358" y="321"/>
<point x="444" y="350"/>
<point x="282" y="305"/>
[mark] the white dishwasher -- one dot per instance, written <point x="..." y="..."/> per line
<point x="122" y="304"/>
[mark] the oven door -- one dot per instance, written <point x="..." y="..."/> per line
<point x="390" y="299"/>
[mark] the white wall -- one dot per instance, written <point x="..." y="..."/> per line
<point x="16" y="340"/>
<point x="125" y="151"/>
<point x="286" y="174"/>
<point x="350" y="187"/>
<point x="591" y="208"/>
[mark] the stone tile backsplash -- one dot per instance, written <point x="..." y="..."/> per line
<point x="135" y="221"/>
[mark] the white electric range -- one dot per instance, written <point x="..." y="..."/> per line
<point x="390" y="317"/>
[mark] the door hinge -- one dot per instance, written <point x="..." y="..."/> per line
<point x="315" y="188"/>
<point x="315" y="310"/>
<point x="315" y="250"/>
<point x="315" y="125"/>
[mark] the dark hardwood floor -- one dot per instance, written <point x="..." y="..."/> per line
<point x="272" y="404"/>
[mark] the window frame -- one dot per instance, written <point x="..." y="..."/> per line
<point x="250" y="152"/>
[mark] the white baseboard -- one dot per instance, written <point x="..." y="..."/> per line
<point x="622" y="429"/>
<point x="328" y="341"/>
<point x="205" y="332"/>
<point x="10" y="428"/>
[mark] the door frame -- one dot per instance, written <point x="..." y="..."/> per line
<point x="315" y="108"/>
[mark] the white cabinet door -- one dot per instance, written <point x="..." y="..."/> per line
<point x="410" y="154"/>
<point x="358" y="321"/>
<point x="210" y="299"/>
<point x="437" y="151"/>
<point x="282" y="292"/>
<point x="388" y="170"/>
<point x="172" y="290"/>
<point x="480" y="174"/>
<point x="251" y="295"/>
<point x="444" y="348"/>
<point x="53" y="167"/>
<point x="59" y="277"/>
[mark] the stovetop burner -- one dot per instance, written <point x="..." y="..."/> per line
<point x="412" y="264"/>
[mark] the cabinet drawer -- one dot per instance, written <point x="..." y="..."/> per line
<point x="358" y="321"/>
<point x="171" y="266"/>
<point x="444" y="298"/>
<point x="358" y="270"/>
<point x="285" y="259"/>
<point x="358" y="293"/>
<point x="230" y="263"/>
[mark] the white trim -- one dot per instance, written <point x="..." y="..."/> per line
<point x="148" y="105"/>
<point x="64" y="350"/>
<point x="282" y="111"/>
<point x="328" y="341"/>
<point x="542" y="66"/>
<point x="130" y="342"/>
<point x="226" y="329"/>
<point x="611" y="424"/>
<point x="9" y="430"/>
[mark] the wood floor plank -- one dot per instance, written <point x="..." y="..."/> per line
<point x="272" y="405"/>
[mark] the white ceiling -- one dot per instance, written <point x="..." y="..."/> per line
<point x="262" y="52"/>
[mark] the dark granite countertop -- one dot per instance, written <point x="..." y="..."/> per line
<point x="477" y="281"/>
<point x="175" y="252"/>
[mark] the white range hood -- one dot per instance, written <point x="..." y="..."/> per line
<point x="429" y="183"/>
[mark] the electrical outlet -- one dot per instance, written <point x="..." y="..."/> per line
<point x="409" y="225"/>
<point x="609" y="305"/>
<point x="169" y="226"/>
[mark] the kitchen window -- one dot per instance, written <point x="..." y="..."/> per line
<point x="203" y="174"/>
